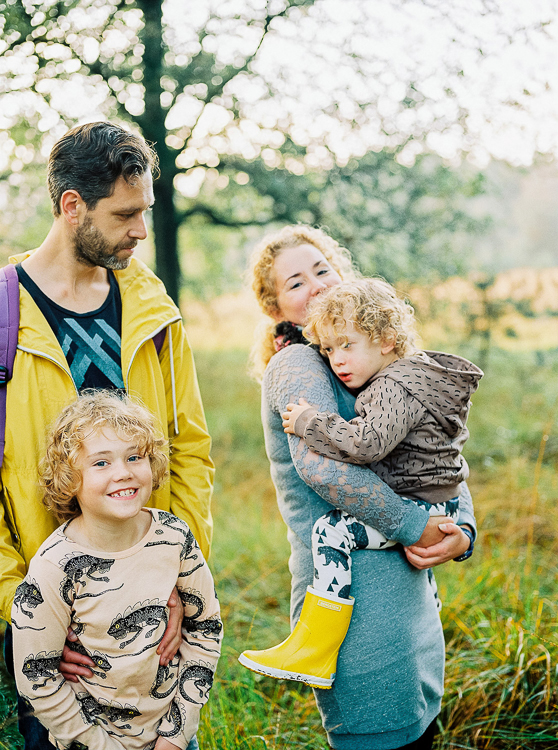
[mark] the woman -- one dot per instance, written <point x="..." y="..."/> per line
<point x="389" y="682"/>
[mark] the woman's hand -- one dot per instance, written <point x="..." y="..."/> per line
<point x="173" y="634"/>
<point x="432" y="533"/>
<point x="72" y="663"/>
<point x="292" y="414"/>
<point x="454" y="544"/>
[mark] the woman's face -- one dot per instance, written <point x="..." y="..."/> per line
<point x="301" y="272"/>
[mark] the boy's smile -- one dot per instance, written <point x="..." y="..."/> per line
<point x="116" y="479"/>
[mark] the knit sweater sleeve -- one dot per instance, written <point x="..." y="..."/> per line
<point x="202" y="633"/>
<point x="466" y="510"/>
<point x="39" y="637"/>
<point x="299" y="372"/>
<point x="387" y="413"/>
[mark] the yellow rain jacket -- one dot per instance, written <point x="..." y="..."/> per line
<point x="42" y="385"/>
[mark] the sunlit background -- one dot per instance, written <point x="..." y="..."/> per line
<point x="423" y="134"/>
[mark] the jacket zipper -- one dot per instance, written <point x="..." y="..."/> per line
<point x="167" y="324"/>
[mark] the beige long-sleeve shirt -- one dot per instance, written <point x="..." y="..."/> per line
<point x="116" y="604"/>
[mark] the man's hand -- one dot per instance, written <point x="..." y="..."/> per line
<point x="454" y="544"/>
<point x="72" y="663"/>
<point x="292" y="414"/>
<point x="173" y="634"/>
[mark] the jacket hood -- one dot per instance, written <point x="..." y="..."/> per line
<point x="443" y="383"/>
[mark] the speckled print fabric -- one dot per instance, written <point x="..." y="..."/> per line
<point x="411" y="426"/>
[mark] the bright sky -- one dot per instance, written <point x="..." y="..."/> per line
<point x="360" y="57"/>
<point x="341" y="61"/>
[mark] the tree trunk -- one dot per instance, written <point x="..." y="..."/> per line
<point x="152" y="123"/>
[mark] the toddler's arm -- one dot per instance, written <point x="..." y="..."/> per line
<point x="202" y="632"/>
<point x="299" y="372"/>
<point x="39" y="637"/>
<point x="385" y="418"/>
<point x="291" y="415"/>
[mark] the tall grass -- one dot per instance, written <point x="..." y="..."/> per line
<point x="500" y="612"/>
<point x="500" y="607"/>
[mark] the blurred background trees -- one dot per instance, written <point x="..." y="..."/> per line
<point x="281" y="111"/>
<point x="389" y="124"/>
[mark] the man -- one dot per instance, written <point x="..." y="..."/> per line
<point x="92" y="316"/>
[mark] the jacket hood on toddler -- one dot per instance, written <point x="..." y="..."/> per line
<point x="443" y="383"/>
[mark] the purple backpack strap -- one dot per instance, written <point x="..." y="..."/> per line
<point x="9" y="330"/>
<point x="158" y="340"/>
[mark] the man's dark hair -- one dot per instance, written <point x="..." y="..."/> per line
<point x="90" y="158"/>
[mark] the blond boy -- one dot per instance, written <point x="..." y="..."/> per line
<point x="107" y="573"/>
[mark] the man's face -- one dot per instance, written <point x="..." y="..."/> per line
<point x="109" y="233"/>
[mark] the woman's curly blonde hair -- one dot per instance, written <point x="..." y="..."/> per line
<point x="59" y="477"/>
<point x="262" y="277"/>
<point x="372" y="306"/>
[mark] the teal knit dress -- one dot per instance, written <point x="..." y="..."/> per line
<point x="390" y="672"/>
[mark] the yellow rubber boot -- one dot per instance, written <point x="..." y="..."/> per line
<point x="309" y="654"/>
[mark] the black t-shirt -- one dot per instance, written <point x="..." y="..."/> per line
<point x="91" y="341"/>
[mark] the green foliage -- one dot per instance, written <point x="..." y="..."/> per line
<point x="141" y="70"/>
<point x="404" y="223"/>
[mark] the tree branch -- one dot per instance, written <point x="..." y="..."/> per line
<point x="217" y="219"/>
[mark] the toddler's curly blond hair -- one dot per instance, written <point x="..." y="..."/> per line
<point x="372" y="306"/>
<point x="59" y="477"/>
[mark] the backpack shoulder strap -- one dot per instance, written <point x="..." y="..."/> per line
<point x="9" y="330"/>
<point x="159" y="340"/>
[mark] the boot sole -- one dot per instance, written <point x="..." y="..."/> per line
<point x="282" y="674"/>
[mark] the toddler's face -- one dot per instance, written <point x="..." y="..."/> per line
<point x="116" y="479"/>
<point x="354" y="358"/>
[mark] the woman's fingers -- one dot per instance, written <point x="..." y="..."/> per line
<point x="454" y="544"/>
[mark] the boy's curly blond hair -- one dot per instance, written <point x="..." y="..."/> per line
<point x="371" y="305"/>
<point x="59" y="477"/>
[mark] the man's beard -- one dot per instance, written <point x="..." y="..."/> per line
<point x="92" y="249"/>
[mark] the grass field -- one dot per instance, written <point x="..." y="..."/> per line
<point x="500" y="611"/>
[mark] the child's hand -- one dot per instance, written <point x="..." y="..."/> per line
<point x="291" y="415"/>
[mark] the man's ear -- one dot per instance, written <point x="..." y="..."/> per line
<point x="72" y="206"/>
